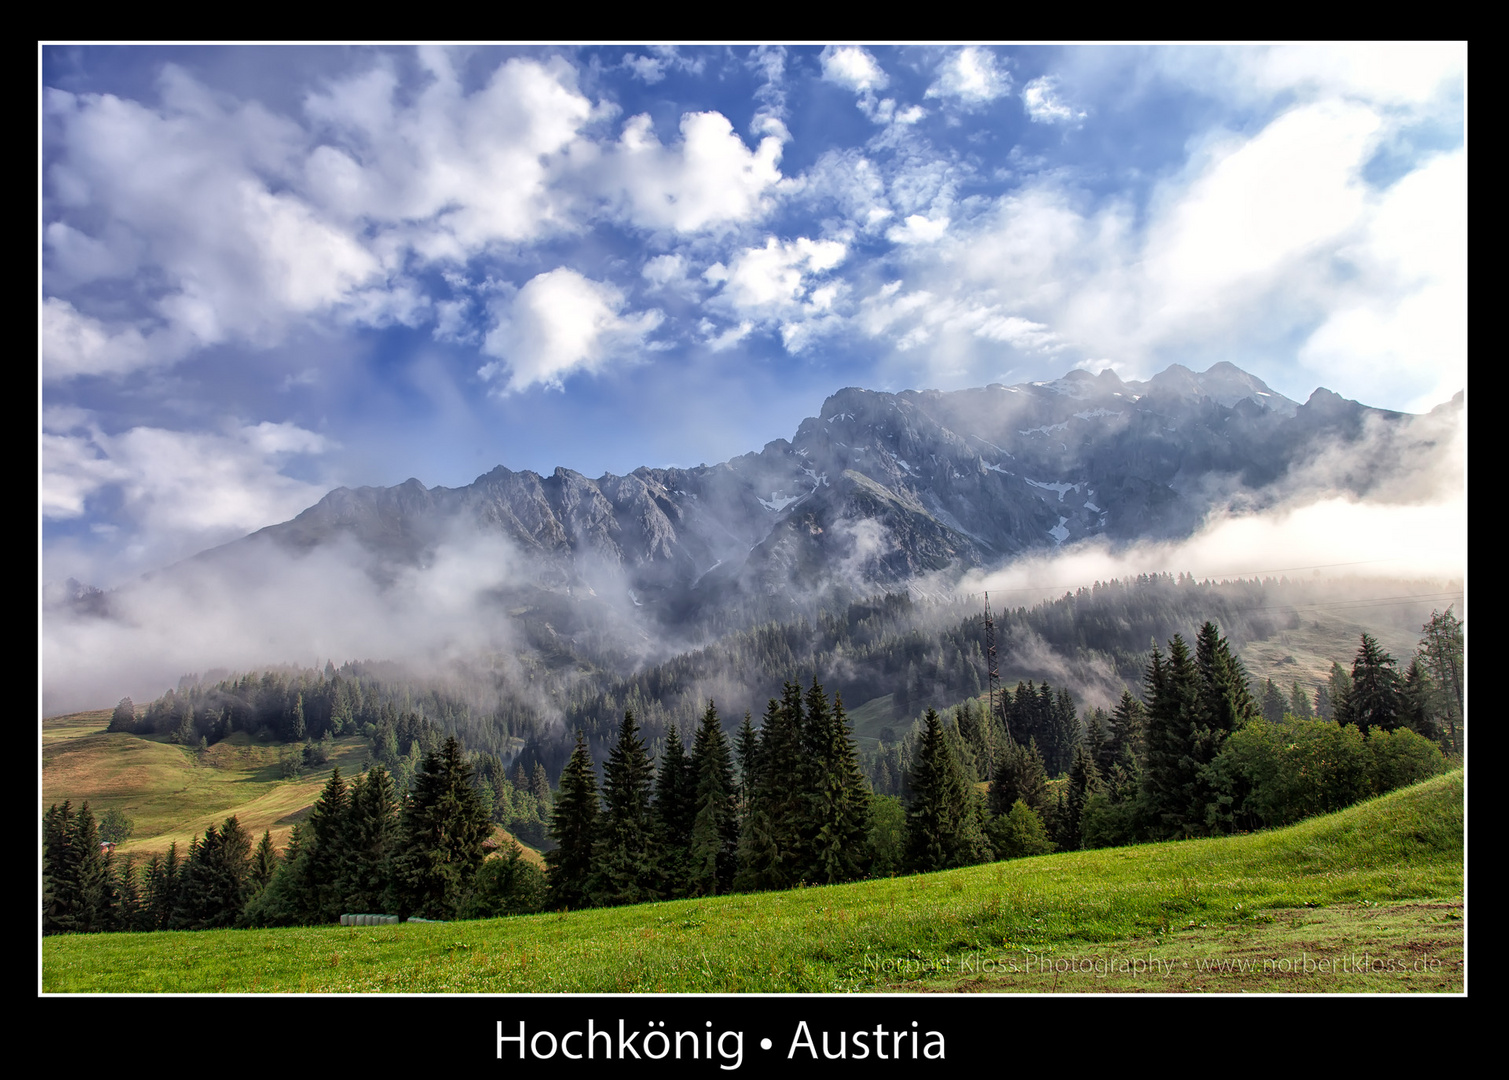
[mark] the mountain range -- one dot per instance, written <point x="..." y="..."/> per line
<point x="879" y="488"/>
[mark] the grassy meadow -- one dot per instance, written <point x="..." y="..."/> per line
<point x="172" y="793"/>
<point x="1365" y="900"/>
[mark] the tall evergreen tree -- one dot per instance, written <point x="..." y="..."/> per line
<point x="1171" y="688"/>
<point x="1084" y="782"/>
<point x="771" y="854"/>
<point x="675" y="810"/>
<point x="574" y="827"/>
<point x="213" y="886"/>
<point x="264" y="862"/>
<point x="443" y="827"/>
<point x="715" y="827"/>
<point x="1299" y="703"/>
<point x="839" y="799"/>
<point x="1373" y="700"/>
<point x="371" y="840"/>
<point x="1442" y="651"/>
<point x="625" y="861"/>
<point x="323" y="866"/>
<point x="943" y="824"/>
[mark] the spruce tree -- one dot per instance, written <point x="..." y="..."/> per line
<point x="1084" y="782"/>
<point x="675" y="808"/>
<point x="371" y="841"/>
<point x="443" y="827"/>
<point x="1373" y="699"/>
<point x="770" y="844"/>
<point x="264" y="862"/>
<point x="1171" y="688"/>
<point x="323" y="868"/>
<point x="625" y="862"/>
<point x="1441" y="653"/>
<point x="839" y="799"/>
<point x="943" y="824"/>
<point x="574" y="827"/>
<point x="715" y="827"/>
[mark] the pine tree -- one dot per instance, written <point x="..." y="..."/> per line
<point x="1273" y="702"/>
<point x="264" y="862"/>
<point x="1129" y="730"/>
<point x="675" y="809"/>
<point x="1084" y="782"/>
<point x="371" y="841"/>
<point x="443" y="827"/>
<point x="1170" y="691"/>
<point x="323" y="868"/>
<point x="839" y="799"/>
<point x="1299" y="703"/>
<point x="715" y="828"/>
<point x="1020" y="775"/>
<point x="1441" y="653"/>
<point x="625" y="862"/>
<point x="1373" y="700"/>
<point x="574" y="827"/>
<point x="943" y="824"/>
<point x="770" y="844"/>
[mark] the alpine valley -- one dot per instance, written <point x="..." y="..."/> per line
<point x="579" y="593"/>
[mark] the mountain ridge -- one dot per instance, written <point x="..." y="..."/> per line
<point x="880" y="487"/>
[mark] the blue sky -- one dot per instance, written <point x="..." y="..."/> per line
<point x="270" y="271"/>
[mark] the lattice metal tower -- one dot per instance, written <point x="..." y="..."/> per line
<point x="993" y="670"/>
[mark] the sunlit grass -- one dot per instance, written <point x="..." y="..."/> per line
<point x="1402" y="846"/>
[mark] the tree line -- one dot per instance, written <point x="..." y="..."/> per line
<point x="786" y="803"/>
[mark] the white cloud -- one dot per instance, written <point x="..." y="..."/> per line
<point x="917" y="230"/>
<point x="75" y="344"/>
<point x="775" y="279"/>
<point x="710" y="179"/>
<point x="451" y="172"/>
<point x="179" y="491"/>
<point x="971" y="77"/>
<point x="219" y="222"/>
<point x="853" y="67"/>
<point x="1261" y="237"/>
<point x="1403" y="320"/>
<point x="191" y="226"/>
<point x="1040" y="99"/>
<point x="561" y="323"/>
<point x="664" y="270"/>
<point x="1392" y="72"/>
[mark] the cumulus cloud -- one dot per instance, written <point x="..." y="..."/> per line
<point x="561" y="323"/>
<point x="1041" y="99"/>
<point x="917" y="230"/>
<point x="853" y="67"/>
<point x="710" y="179"/>
<point x="221" y="222"/>
<point x="782" y="283"/>
<point x="970" y="77"/>
<point x="450" y="172"/>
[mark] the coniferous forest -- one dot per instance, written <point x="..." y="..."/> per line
<point x="679" y="806"/>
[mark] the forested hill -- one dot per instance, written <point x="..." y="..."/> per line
<point x="1093" y="642"/>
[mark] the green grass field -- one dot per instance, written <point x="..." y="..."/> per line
<point x="173" y="793"/>
<point x="1367" y="900"/>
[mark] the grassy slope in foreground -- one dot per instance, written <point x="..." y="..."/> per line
<point x="1407" y="845"/>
